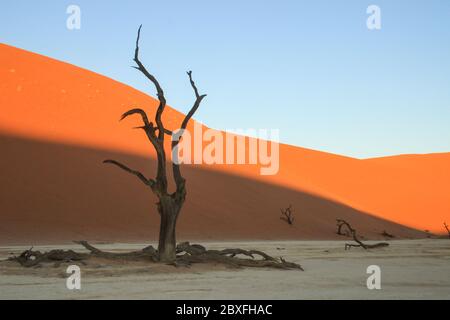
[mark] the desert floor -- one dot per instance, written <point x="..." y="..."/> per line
<point x="410" y="269"/>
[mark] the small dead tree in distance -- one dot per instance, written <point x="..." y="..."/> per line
<point x="387" y="234"/>
<point x="447" y="228"/>
<point x="350" y="231"/>
<point x="286" y="215"/>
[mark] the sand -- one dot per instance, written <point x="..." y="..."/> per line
<point x="52" y="101"/>
<point x="410" y="269"/>
<point x="65" y="193"/>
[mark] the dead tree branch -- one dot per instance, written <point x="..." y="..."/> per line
<point x="350" y="231"/>
<point x="148" y="182"/>
<point x="148" y="253"/>
<point x="159" y="90"/>
<point x="179" y="180"/>
<point x="198" y="254"/>
<point x="30" y="258"/>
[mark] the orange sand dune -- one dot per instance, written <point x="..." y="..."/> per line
<point x="53" y="193"/>
<point x="49" y="100"/>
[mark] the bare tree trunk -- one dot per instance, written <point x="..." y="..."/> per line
<point x="168" y="209"/>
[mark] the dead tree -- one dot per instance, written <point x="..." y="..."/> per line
<point x="169" y="204"/>
<point x="349" y="231"/>
<point x="286" y="215"/>
<point x="447" y="228"/>
<point x="428" y="233"/>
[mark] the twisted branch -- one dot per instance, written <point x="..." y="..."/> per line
<point x="179" y="180"/>
<point x="199" y="254"/>
<point x="350" y="231"/>
<point x="158" y="143"/>
<point x="148" y="182"/>
<point x="159" y="90"/>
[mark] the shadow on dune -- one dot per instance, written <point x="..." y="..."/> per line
<point x="57" y="193"/>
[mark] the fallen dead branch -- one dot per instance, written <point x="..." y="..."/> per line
<point x="148" y="253"/>
<point x="186" y="255"/>
<point x="196" y="254"/>
<point x="30" y="258"/>
<point x="344" y="228"/>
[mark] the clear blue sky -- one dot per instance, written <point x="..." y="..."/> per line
<point x="310" y="68"/>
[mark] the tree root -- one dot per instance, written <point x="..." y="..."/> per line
<point x="187" y="255"/>
<point x="198" y="254"/>
<point x="147" y="254"/>
<point x="30" y="258"/>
